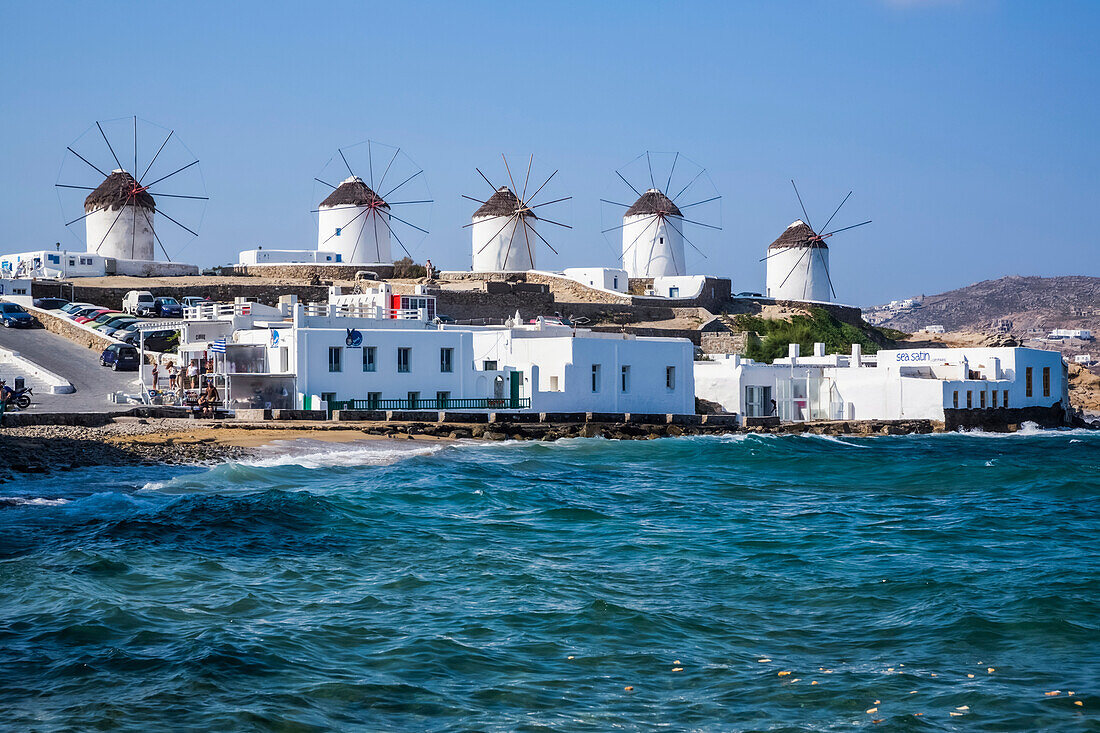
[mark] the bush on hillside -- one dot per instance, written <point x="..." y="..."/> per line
<point x="805" y="330"/>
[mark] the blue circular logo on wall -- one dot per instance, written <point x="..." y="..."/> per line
<point x="274" y="337"/>
<point x="354" y="338"/>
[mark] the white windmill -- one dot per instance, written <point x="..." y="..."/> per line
<point x="121" y="212"/>
<point x="798" y="260"/>
<point x="654" y="226"/>
<point x="359" y="217"/>
<point x="504" y="237"/>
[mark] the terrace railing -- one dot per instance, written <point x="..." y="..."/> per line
<point x="469" y="403"/>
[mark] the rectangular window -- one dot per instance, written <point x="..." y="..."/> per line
<point x="1005" y="400"/>
<point x="446" y="360"/>
<point x="595" y="377"/>
<point x="1046" y="381"/>
<point x="955" y="399"/>
<point x="284" y="359"/>
<point x="969" y="399"/>
<point x="995" y="394"/>
<point x="615" y="283"/>
<point x="670" y="378"/>
<point x="414" y="397"/>
<point x="674" y="292"/>
<point x="441" y="399"/>
<point x="554" y="383"/>
<point x="489" y="365"/>
<point x="1027" y="382"/>
<point x="370" y="358"/>
<point x="624" y="382"/>
<point x="404" y="359"/>
<point x="335" y="358"/>
<point x="981" y="401"/>
<point x="374" y="400"/>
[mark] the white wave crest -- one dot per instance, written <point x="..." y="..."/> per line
<point x="31" y="501"/>
<point x="318" y="454"/>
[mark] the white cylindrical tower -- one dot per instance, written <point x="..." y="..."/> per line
<point x="653" y="246"/>
<point x="500" y="242"/>
<point x="119" y="221"/>
<point x="354" y="222"/>
<point x="798" y="265"/>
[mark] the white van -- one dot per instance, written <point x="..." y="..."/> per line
<point x="138" y="303"/>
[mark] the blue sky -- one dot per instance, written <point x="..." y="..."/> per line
<point x="967" y="128"/>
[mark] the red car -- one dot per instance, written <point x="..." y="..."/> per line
<point x="92" y="315"/>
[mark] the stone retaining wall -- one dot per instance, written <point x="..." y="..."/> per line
<point x="307" y="271"/>
<point x="111" y="297"/>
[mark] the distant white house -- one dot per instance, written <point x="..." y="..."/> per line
<point x="605" y="278"/>
<point x="59" y="264"/>
<point x="892" y="385"/>
<point x="1071" y="333"/>
<point x="933" y="329"/>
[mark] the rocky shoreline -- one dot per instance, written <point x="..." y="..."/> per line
<point x="132" y="441"/>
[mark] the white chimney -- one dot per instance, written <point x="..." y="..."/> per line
<point x="857" y="355"/>
<point x="793" y="350"/>
<point x="819" y="349"/>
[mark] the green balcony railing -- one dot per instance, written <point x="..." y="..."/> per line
<point x="432" y="403"/>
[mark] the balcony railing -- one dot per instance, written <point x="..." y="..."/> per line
<point x="469" y="403"/>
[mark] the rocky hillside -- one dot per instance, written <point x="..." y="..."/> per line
<point x="1015" y="304"/>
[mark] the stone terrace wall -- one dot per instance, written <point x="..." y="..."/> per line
<point x="752" y="306"/>
<point x="307" y="271"/>
<point x="72" y="331"/>
<point x="465" y="305"/>
<point x="112" y="297"/>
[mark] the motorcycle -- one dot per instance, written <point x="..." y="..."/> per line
<point x="21" y="397"/>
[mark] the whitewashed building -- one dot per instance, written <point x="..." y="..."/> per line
<point x="357" y="351"/>
<point x="603" y="278"/>
<point x="798" y="265"/>
<point x="892" y="385"/>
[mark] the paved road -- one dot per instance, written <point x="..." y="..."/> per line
<point x="73" y="362"/>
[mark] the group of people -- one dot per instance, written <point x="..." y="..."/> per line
<point x="195" y="376"/>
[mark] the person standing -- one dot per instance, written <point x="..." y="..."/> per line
<point x="193" y="374"/>
<point x="156" y="374"/>
<point x="428" y="269"/>
<point x="173" y="372"/>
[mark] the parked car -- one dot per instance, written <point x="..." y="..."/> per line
<point x="192" y="301"/>
<point x="165" y="340"/>
<point x="113" y="328"/>
<point x="83" y="311"/>
<point x="120" y="357"/>
<point x="108" y="320"/>
<point x="104" y="318"/>
<point x="71" y="308"/>
<point x="50" y="304"/>
<point x="13" y="315"/>
<point x="90" y="314"/>
<point x="167" y="308"/>
<point x="748" y="294"/>
<point x="138" y="303"/>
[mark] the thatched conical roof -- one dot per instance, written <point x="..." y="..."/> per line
<point x="798" y="235"/>
<point x="353" y="192"/>
<point x="504" y="203"/>
<point x="116" y="191"/>
<point x="653" y="202"/>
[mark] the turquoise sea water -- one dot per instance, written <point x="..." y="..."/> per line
<point x="525" y="586"/>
